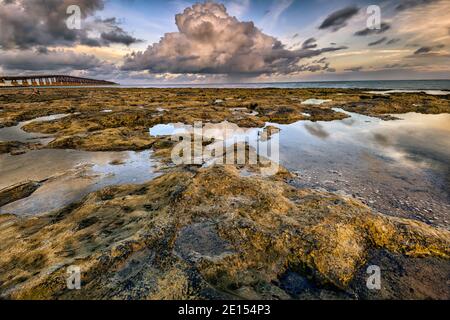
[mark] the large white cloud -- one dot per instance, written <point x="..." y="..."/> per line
<point x="210" y="41"/>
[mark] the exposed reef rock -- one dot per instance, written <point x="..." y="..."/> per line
<point x="206" y="233"/>
<point x="17" y="191"/>
<point x="211" y="232"/>
<point x="132" y="111"/>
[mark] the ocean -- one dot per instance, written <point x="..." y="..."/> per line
<point x="372" y="84"/>
<point x="439" y="86"/>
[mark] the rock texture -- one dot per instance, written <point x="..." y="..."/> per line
<point x="206" y="234"/>
<point x="17" y="191"/>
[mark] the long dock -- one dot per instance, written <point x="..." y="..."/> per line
<point x="50" y="80"/>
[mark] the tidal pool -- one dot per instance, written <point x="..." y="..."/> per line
<point x="66" y="175"/>
<point x="399" y="167"/>
<point x="69" y="175"/>
<point x="15" y="133"/>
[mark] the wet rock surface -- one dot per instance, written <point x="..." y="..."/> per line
<point x="17" y="191"/>
<point x="211" y="233"/>
<point x="16" y="147"/>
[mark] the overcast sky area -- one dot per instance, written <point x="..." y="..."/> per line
<point x="180" y="41"/>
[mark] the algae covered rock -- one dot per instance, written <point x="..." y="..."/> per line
<point x="207" y="233"/>
<point x="17" y="191"/>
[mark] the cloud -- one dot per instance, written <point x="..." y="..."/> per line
<point x="393" y="41"/>
<point x="28" y="23"/>
<point x="115" y="34"/>
<point x="321" y="60"/>
<point x="396" y="66"/>
<point x="354" y="69"/>
<point x="48" y="60"/>
<point x="309" y="44"/>
<point x="377" y="42"/>
<point x="210" y="41"/>
<point x="428" y="49"/>
<point x="119" y="36"/>
<point x="338" y="19"/>
<point x="409" y="4"/>
<point x="367" y="32"/>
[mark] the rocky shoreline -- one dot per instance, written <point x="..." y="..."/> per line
<point x="214" y="232"/>
<point x="211" y="233"/>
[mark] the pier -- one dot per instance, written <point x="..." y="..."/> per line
<point x="50" y="80"/>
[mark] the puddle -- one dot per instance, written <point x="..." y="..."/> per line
<point x="71" y="175"/>
<point x="225" y="131"/>
<point x="225" y="134"/>
<point x="161" y="130"/>
<point x="315" y="101"/>
<point x="16" y="133"/>
<point x="244" y="111"/>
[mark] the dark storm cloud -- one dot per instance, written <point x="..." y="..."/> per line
<point x="367" y="32"/>
<point x="210" y="41"/>
<point x="377" y="42"/>
<point x="409" y="4"/>
<point x="338" y="19"/>
<point x="28" y="23"/>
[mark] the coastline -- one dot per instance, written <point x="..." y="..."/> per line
<point x="209" y="233"/>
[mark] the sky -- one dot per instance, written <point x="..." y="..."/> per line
<point x="229" y="41"/>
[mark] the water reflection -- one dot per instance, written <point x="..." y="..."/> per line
<point x="69" y="175"/>
<point x="370" y="156"/>
<point x="416" y="140"/>
<point x="398" y="167"/>
<point x="316" y="129"/>
<point x="15" y="133"/>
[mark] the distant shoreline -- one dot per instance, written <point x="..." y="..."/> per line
<point x="412" y="85"/>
